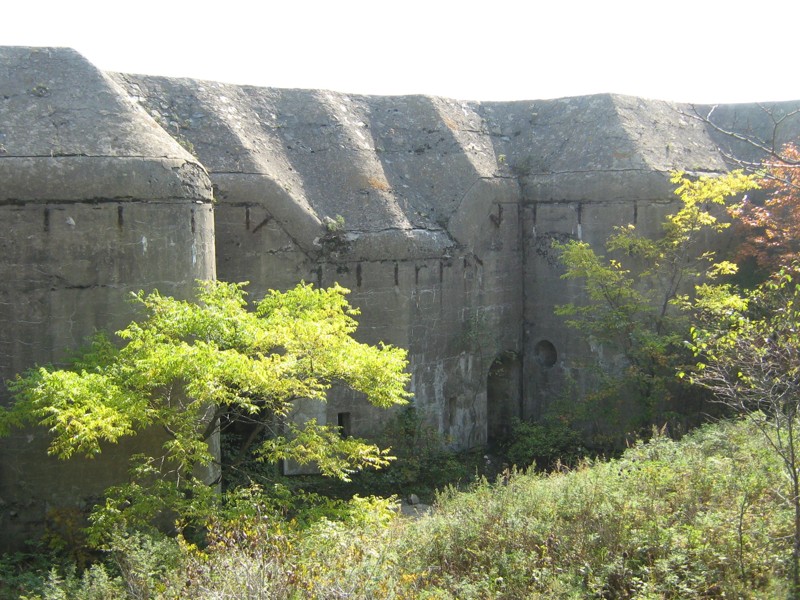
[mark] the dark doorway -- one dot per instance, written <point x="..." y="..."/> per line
<point x="343" y="421"/>
<point x="503" y="396"/>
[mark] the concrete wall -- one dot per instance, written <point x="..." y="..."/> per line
<point x="439" y="215"/>
<point x="430" y="245"/>
<point x="96" y="202"/>
<point x="585" y="166"/>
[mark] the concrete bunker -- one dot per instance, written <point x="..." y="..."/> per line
<point x="503" y="396"/>
<point x="449" y="210"/>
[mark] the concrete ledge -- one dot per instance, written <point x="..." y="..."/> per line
<point x="88" y="178"/>
<point x="394" y="244"/>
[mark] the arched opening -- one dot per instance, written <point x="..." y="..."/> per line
<point x="544" y="377"/>
<point x="545" y="353"/>
<point x="503" y="396"/>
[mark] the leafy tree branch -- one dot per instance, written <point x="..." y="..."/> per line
<point x="190" y="368"/>
<point x="633" y="303"/>
<point x="747" y="344"/>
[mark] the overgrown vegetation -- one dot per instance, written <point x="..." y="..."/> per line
<point x="748" y="347"/>
<point x="193" y="368"/>
<point x="546" y="444"/>
<point x="424" y="463"/>
<point x="698" y="518"/>
<point x="633" y="314"/>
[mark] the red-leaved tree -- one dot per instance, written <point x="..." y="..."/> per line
<point x="773" y="228"/>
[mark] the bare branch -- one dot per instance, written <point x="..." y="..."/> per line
<point x="770" y="148"/>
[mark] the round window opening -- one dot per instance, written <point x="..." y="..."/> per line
<point x="545" y="353"/>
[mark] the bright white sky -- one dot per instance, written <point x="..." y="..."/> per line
<point x="685" y="50"/>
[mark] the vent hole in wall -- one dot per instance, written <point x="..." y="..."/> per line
<point x="545" y="353"/>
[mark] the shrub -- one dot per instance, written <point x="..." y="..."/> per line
<point x="544" y="444"/>
<point x="695" y="518"/>
<point x="424" y="461"/>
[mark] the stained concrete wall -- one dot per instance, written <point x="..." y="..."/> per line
<point x="96" y="202"/>
<point x="439" y="215"/>
<point x="586" y="165"/>
<point x="430" y="245"/>
<point x="449" y="213"/>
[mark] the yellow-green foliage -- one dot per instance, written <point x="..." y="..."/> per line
<point x="632" y="307"/>
<point x="189" y="366"/>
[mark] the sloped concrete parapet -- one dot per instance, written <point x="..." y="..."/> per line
<point x="599" y="147"/>
<point x="67" y="132"/>
<point x="56" y="103"/>
<point x="96" y="202"/>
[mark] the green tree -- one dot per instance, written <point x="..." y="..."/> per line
<point x="632" y="304"/>
<point x="190" y="368"/>
<point x="748" y="349"/>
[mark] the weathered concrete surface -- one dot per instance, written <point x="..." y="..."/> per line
<point x="449" y="213"/>
<point x="439" y="215"/>
<point x="430" y="238"/>
<point x="585" y="166"/>
<point x="96" y="202"/>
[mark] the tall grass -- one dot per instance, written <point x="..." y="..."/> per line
<point x="700" y="518"/>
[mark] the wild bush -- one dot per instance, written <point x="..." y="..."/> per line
<point x="544" y="444"/>
<point x="697" y="518"/>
